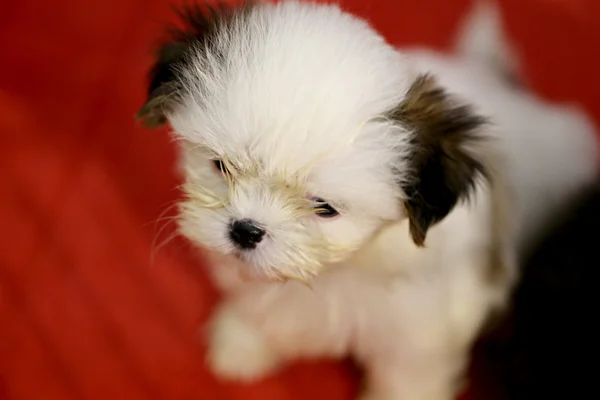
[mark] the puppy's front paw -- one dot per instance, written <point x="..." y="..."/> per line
<point x="237" y="351"/>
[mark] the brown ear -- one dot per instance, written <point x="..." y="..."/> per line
<point x="200" y="23"/>
<point x="442" y="168"/>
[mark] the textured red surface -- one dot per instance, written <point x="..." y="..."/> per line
<point x="84" y="311"/>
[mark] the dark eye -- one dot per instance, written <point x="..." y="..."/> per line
<point x="324" y="209"/>
<point x="219" y="165"/>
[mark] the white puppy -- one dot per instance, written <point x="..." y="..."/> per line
<point x="338" y="167"/>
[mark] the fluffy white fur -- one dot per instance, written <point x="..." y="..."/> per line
<point x="299" y="110"/>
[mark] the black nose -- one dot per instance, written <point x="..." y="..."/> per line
<point x="245" y="234"/>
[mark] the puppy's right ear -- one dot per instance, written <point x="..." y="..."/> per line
<point x="200" y="25"/>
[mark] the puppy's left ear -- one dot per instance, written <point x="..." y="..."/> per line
<point x="442" y="165"/>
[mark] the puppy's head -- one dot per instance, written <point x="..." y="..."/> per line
<point x="303" y="133"/>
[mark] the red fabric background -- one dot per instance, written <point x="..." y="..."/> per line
<point x="84" y="311"/>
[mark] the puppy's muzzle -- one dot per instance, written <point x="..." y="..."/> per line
<point x="245" y="234"/>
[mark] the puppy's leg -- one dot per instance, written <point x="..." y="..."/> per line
<point x="421" y="363"/>
<point x="237" y="350"/>
<point x="414" y="375"/>
<point x="261" y="327"/>
<point x="417" y="347"/>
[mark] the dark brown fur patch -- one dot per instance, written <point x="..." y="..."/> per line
<point x="443" y="170"/>
<point x="200" y="24"/>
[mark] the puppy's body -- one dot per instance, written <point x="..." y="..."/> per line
<point x="410" y="314"/>
<point x="302" y="103"/>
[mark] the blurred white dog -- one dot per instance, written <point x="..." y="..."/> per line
<point x="378" y="190"/>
